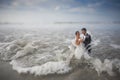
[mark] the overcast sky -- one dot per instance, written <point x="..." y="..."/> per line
<point x="59" y="10"/>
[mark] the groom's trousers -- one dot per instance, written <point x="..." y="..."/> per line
<point x="88" y="48"/>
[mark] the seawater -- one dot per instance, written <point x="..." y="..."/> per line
<point x="45" y="49"/>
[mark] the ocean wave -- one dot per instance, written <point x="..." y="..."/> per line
<point x="47" y="68"/>
<point x="34" y="57"/>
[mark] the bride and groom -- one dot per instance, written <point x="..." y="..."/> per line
<point x="82" y="43"/>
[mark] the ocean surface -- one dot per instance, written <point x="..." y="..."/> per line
<point x="44" y="49"/>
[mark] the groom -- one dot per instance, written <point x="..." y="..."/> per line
<point x="86" y="39"/>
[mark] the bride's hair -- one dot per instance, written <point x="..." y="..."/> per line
<point x="76" y="32"/>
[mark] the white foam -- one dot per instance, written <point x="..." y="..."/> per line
<point x="28" y="49"/>
<point x="105" y="66"/>
<point x="95" y="43"/>
<point x="115" y="46"/>
<point x="47" y="68"/>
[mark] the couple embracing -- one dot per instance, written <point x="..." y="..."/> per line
<point x="82" y="43"/>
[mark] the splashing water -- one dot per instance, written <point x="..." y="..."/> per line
<point x="98" y="65"/>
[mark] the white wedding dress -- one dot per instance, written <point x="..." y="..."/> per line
<point x="78" y="50"/>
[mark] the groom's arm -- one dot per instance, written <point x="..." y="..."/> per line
<point x="87" y="39"/>
<point x="90" y="39"/>
<point x="82" y="37"/>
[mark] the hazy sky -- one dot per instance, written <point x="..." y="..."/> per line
<point x="59" y="10"/>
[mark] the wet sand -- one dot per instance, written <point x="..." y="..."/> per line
<point x="7" y="73"/>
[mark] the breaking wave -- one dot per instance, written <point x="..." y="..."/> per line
<point x="32" y="57"/>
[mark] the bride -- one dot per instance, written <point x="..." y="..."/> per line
<point x="78" y="44"/>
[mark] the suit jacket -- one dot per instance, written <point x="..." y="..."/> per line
<point x="87" y="40"/>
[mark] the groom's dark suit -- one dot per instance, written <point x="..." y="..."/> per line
<point x="87" y="42"/>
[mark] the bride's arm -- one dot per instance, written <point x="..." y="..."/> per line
<point x="77" y="42"/>
<point x="81" y="40"/>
